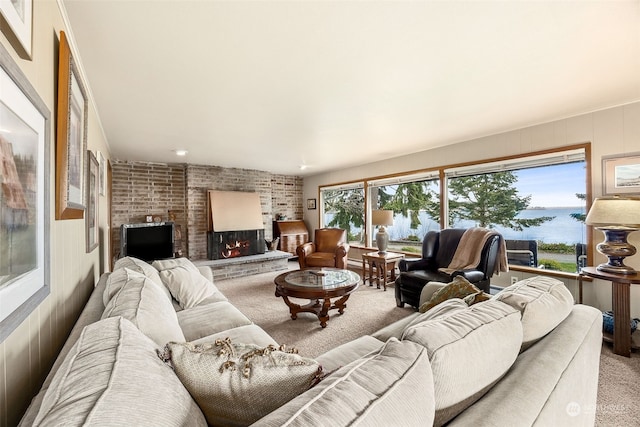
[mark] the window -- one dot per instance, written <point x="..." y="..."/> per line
<point x="537" y="202"/>
<point x="343" y="207"/>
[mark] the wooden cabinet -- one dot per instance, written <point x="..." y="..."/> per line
<point x="291" y="233"/>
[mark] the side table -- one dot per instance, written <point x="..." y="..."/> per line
<point x="384" y="264"/>
<point x="621" y="284"/>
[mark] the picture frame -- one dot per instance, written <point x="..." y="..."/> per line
<point x="71" y="137"/>
<point x="93" y="188"/>
<point x="16" y="22"/>
<point x="24" y="214"/>
<point x="311" y="204"/>
<point x="102" y="163"/>
<point x="621" y="174"/>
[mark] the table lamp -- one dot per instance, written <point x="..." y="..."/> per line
<point x="382" y="218"/>
<point x="616" y="217"/>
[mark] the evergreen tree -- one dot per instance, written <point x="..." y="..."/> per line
<point x="489" y="200"/>
<point x="410" y="198"/>
<point x="347" y="207"/>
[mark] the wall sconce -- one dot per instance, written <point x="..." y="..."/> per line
<point x="616" y="217"/>
<point x="382" y="218"/>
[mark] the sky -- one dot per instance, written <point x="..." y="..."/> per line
<point x="553" y="186"/>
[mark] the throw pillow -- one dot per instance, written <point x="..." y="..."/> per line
<point x="186" y="284"/>
<point x="237" y="384"/>
<point x="543" y="301"/>
<point x="470" y="349"/>
<point x="459" y="287"/>
<point x="142" y="301"/>
<point x="476" y="298"/>
<point x="139" y="266"/>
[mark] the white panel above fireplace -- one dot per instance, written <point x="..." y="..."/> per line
<point x="235" y="210"/>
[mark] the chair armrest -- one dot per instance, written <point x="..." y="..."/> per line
<point x="415" y="264"/>
<point x="342" y="249"/>
<point x="473" y="276"/>
<point x="305" y="249"/>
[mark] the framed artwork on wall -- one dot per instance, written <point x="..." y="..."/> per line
<point x="102" y="163"/>
<point x="311" y="204"/>
<point x="16" y="20"/>
<point x="71" y="137"/>
<point x="24" y="197"/>
<point x="93" y="188"/>
<point x="621" y="174"/>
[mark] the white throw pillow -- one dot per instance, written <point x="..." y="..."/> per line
<point x="142" y="301"/>
<point x="186" y="284"/>
<point x="544" y="303"/>
<point x="470" y="349"/>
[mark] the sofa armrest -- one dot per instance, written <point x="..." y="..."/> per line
<point x="428" y="291"/>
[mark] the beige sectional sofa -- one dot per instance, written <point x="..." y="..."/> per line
<point x="149" y="347"/>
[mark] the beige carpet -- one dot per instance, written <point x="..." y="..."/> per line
<point x="369" y="309"/>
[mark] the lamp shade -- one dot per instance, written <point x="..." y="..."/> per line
<point x="382" y="217"/>
<point x="615" y="211"/>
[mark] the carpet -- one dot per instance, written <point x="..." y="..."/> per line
<point x="369" y="309"/>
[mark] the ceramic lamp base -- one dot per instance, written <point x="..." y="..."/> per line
<point x="616" y="248"/>
<point x="382" y="240"/>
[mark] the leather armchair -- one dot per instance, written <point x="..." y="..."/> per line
<point x="438" y="248"/>
<point x="329" y="249"/>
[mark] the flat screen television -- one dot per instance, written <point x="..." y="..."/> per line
<point x="147" y="241"/>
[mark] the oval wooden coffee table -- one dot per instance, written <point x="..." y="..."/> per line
<point x="318" y="286"/>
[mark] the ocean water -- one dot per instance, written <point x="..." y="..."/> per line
<point x="561" y="229"/>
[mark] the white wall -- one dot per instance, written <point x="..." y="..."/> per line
<point x="27" y="354"/>
<point x="613" y="131"/>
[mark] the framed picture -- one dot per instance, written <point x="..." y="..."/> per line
<point x="621" y="174"/>
<point x="16" y="18"/>
<point x="102" y="164"/>
<point x="311" y="203"/>
<point x="93" y="188"/>
<point x="24" y="197"/>
<point x="71" y="137"/>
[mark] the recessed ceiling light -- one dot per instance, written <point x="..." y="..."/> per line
<point x="181" y="152"/>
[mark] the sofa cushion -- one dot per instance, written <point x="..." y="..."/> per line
<point x="348" y="352"/>
<point x="111" y="364"/>
<point x="247" y="333"/>
<point x="459" y="287"/>
<point x="470" y="349"/>
<point x="138" y="266"/>
<point x="391" y="387"/>
<point x="237" y="384"/>
<point x="186" y="284"/>
<point x="204" y="320"/>
<point x="543" y="301"/>
<point x="143" y="302"/>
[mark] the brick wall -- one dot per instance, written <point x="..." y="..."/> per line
<point x="142" y="188"/>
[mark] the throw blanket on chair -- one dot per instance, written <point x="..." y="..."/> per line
<point x="469" y="251"/>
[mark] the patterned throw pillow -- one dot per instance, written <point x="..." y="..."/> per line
<point x="476" y="298"/>
<point x="237" y="384"/>
<point x="459" y="287"/>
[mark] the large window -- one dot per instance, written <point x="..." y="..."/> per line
<point x="537" y="202"/>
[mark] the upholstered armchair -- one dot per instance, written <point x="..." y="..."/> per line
<point x="329" y="249"/>
<point x="440" y="251"/>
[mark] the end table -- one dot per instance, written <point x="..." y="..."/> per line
<point x="384" y="264"/>
<point x="620" y="291"/>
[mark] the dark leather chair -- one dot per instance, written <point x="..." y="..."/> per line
<point x="438" y="248"/>
<point x="329" y="249"/>
<point x="522" y="252"/>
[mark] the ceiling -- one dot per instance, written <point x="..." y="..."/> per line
<point x="273" y="85"/>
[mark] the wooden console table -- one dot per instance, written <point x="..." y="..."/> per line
<point x="621" y="284"/>
<point x="384" y="264"/>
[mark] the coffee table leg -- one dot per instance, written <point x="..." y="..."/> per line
<point x="294" y="308"/>
<point x="323" y="315"/>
